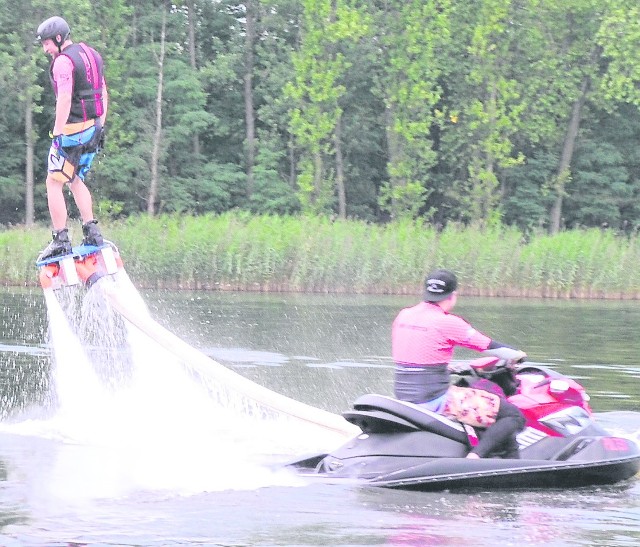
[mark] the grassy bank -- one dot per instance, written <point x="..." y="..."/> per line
<point x="240" y="252"/>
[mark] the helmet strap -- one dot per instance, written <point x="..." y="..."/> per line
<point x="59" y="42"/>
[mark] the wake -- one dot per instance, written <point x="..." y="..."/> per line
<point x="134" y="408"/>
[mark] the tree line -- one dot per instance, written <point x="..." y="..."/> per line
<point x="523" y="112"/>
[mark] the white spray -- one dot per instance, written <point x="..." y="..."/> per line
<point x="142" y="420"/>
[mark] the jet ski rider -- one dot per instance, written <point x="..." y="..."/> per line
<point x="423" y="340"/>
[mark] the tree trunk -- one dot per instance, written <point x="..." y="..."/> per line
<point x="192" y="56"/>
<point x="488" y="188"/>
<point x="342" y="196"/>
<point x="318" y="168"/>
<point x="250" y="36"/>
<point x="29" y="212"/>
<point x="293" y="164"/>
<point x="155" y="153"/>
<point x="564" y="168"/>
<point x="394" y="149"/>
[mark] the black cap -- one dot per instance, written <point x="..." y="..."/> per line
<point x="439" y="284"/>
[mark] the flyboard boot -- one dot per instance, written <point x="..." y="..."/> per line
<point x="91" y="233"/>
<point x="60" y="245"/>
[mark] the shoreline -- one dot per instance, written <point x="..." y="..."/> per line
<point x="238" y="252"/>
<point x="531" y="294"/>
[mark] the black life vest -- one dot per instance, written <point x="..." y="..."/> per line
<point x="88" y="75"/>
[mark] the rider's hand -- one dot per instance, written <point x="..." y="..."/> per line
<point x="458" y="366"/>
<point x="520" y="357"/>
<point x="56" y="141"/>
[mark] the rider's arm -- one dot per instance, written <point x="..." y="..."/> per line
<point x="502" y="351"/>
<point x="63" y="76"/>
<point x="461" y="333"/>
<point x="63" y="108"/>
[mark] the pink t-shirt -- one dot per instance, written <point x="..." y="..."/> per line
<point x="426" y="335"/>
<point x="63" y="74"/>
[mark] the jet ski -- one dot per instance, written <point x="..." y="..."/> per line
<point x="403" y="445"/>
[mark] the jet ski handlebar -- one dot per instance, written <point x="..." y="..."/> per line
<point x="483" y="366"/>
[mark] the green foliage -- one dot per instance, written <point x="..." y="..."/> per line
<point x="491" y="104"/>
<point x="448" y="110"/>
<point x="619" y="37"/>
<point x="403" y="201"/>
<point x="316" y="91"/>
<point x="601" y="187"/>
<point x="11" y="197"/>
<point x="412" y="36"/>
<point x="529" y="200"/>
<point x="271" y="195"/>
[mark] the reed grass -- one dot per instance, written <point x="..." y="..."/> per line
<point x="238" y="251"/>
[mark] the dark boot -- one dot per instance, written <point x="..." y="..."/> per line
<point x="60" y="245"/>
<point x="92" y="235"/>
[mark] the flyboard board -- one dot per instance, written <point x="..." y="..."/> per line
<point x="85" y="263"/>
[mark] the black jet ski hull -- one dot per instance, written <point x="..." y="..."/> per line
<point x="459" y="473"/>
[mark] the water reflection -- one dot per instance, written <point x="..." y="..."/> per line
<point x="584" y="516"/>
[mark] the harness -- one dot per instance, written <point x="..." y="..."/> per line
<point x="86" y="100"/>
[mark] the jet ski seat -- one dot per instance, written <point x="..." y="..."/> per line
<point x="374" y="405"/>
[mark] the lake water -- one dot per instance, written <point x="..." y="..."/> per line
<point x="121" y="444"/>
